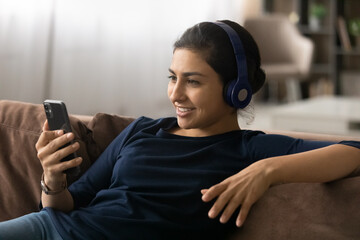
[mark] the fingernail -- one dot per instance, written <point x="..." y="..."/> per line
<point x="238" y="223"/>
<point x="211" y="214"/>
<point x="60" y="132"/>
<point x="69" y="135"/>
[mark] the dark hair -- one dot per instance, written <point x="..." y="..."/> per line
<point x="213" y="43"/>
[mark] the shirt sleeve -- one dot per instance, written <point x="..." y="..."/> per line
<point x="261" y="145"/>
<point x="98" y="176"/>
<point x="355" y="144"/>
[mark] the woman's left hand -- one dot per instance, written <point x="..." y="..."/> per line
<point x="242" y="189"/>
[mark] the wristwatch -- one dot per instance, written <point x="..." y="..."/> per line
<point x="46" y="189"/>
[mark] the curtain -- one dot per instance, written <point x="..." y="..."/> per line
<point x="24" y="33"/>
<point x="98" y="55"/>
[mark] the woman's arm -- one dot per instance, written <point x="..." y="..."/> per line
<point x="319" y="165"/>
<point x="50" y="154"/>
<point x="246" y="187"/>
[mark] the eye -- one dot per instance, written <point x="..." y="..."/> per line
<point x="172" y="78"/>
<point x="193" y="82"/>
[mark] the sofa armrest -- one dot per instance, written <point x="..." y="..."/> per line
<point x="310" y="211"/>
<point x="314" y="136"/>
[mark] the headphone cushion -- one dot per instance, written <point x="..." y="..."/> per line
<point x="228" y="92"/>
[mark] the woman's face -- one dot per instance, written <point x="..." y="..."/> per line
<point x="196" y="92"/>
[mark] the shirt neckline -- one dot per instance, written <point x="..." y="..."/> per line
<point x="163" y="132"/>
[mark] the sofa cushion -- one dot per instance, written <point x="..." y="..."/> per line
<point x="104" y="128"/>
<point x="20" y="169"/>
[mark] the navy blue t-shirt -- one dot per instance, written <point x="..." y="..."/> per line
<point x="146" y="184"/>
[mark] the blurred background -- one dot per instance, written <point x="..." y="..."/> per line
<point x="112" y="56"/>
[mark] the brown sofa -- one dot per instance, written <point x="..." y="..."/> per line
<point x="290" y="211"/>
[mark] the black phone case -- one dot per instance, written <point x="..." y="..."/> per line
<point x="58" y="119"/>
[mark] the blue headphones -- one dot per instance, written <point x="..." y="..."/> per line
<point x="238" y="91"/>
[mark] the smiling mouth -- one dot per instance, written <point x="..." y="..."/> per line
<point x="181" y="109"/>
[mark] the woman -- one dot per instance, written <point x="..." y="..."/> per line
<point x="170" y="178"/>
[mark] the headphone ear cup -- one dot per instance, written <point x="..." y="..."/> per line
<point x="228" y="92"/>
<point x="236" y="94"/>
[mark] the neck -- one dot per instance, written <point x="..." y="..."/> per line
<point x="226" y="125"/>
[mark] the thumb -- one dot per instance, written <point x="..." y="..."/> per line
<point x="46" y="126"/>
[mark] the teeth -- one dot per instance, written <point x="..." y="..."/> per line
<point x="184" y="109"/>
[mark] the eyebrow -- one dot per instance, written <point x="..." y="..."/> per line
<point x="187" y="74"/>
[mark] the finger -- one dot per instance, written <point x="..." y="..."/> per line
<point x="233" y="204"/>
<point x="53" y="140"/>
<point x="213" y="192"/>
<point x="70" y="164"/>
<point x="203" y="191"/>
<point x="57" y="156"/>
<point x="244" y="211"/>
<point x="220" y="204"/>
<point x="46" y="126"/>
<point x="53" y="166"/>
<point x="46" y="137"/>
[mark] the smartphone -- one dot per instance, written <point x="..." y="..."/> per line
<point x="58" y="119"/>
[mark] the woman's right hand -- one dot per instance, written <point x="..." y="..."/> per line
<point x="50" y="153"/>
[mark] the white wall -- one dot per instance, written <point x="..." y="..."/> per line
<point x="98" y="55"/>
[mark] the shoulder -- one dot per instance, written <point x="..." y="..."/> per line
<point x="255" y="136"/>
<point x="259" y="138"/>
<point x="267" y="145"/>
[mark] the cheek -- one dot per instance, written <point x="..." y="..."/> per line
<point x="214" y="95"/>
<point x="217" y="103"/>
<point x="209" y="101"/>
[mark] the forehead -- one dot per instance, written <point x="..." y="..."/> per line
<point x="188" y="60"/>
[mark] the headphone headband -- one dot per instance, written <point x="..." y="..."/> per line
<point x="238" y="92"/>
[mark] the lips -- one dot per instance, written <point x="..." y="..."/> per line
<point x="183" y="111"/>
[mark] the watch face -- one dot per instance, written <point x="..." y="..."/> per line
<point x="46" y="190"/>
<point x="43" y="187"/>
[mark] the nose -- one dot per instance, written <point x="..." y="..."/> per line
<point x="176" y="91"/>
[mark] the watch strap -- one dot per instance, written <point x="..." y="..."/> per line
<point x="46" y="189"/>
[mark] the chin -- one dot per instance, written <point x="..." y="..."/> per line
<point x="184" y="124"/>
